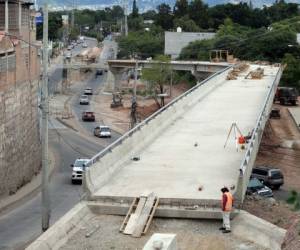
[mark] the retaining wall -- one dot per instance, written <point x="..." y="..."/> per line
<point x="19" y="136"/>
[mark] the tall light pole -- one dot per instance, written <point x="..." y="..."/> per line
<point x="44" y="130"/>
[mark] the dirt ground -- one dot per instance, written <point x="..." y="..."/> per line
<point x="272" y="153"/>
<point x="190" y="235"/>
<point x="119" y="118"/>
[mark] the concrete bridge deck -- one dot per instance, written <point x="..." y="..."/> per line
<point x="182" y="148"/>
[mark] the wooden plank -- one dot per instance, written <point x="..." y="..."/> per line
<point x="131" y="225"/>
<point x="151" y="216"/>
<point x="128" y="215"/>
<point x="142" y="220"/>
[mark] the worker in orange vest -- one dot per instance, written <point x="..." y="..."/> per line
<point x="226" y="205"/>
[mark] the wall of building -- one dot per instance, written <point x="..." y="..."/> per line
<point x="20" y="151"/>
<point x="175" y="41"/>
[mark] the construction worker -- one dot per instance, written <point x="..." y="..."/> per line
<point x="226" y="205"/>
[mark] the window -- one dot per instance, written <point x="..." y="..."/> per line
<point x="7" y="62"/>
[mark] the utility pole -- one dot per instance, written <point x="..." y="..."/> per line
<point x="45" y="113"/>
<point x="133" y="101"/>
<point x="125" y="17"/>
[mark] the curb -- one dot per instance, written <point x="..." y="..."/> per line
<point x="10" y="202"/>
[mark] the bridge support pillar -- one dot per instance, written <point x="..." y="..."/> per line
<point x="200" y="76"/>
<point x="114" y="77"/>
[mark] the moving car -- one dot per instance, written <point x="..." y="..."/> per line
<point x="84" y="100"/>
<point x="88" y="116"/>
<point x="272" y="177"/>
<point x="102" y="131"/>
<point x="77" y="170"/>
<point x="88" y="91"/>
<point x="256" y="187"/>
<point x="70" y="47"/>
<point x="286" y="95"/>
<point x="68" y="55"/>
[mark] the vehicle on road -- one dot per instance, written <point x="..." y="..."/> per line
<point x="70" y="47"/>
<point x="102" y="131"/>
<point x="286" y="95"/>
<point x="99" y="72"/>
<point x="256" y="187"/>
<point x="271" y="177"/>
<point x="88" y="91"/>
<point x="68" y="55"/>
<point x="84" y="100"/>
<point x="84" y="45"/>
<point x="78" y="169"/>
<point x="88" y="116"/>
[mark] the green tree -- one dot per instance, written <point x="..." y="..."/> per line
<point x="135" y="10"/>
<point x="291" y="73"/>
<point x="149" y="15"/>
<point x="164" y="17"/>
<point x="198" y="11"/>
<point x="197" y="50"/>
<point x="181" y="8"/>
<point x="157" y="77"/>
<point x="186" y="24"/>
<point x="294" y="199"/>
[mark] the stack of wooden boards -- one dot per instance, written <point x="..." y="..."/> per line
<point x="140" y="214"/>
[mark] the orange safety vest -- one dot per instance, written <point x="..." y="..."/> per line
<point x="229" y="202"/>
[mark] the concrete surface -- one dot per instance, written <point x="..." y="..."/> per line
<point x="263" y="233"/>
<point x="183" y="147"/>
<point x="161" y="242"/>
<point x="82" y="229"/>
<point x="295" y="113"/>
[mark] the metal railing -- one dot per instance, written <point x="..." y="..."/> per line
<point x="151" y="117"/>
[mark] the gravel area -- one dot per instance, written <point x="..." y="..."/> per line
<point x="191" y="235"/>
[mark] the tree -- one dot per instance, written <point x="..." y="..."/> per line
<point x="291" y="73"/>
<point x="149" y="15"/>
<point x="186" y="24"/>
<point x="164" y="16"/>
<point x="197" y="50"/>
<point x="198" y="11"/>
<point x="181" y="8"/>
<point x="157" y="77"/>
<point x="294" y="199"/>
<point x="135" y="10"/>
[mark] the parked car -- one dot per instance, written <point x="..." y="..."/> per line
<point x="271" y="177"/>
<point x="70" y="47"/>
<point x="78" y="168"/>
<point x="88" y="91"/>
<point x="286" y="95"/>
<point x="84" y="45"/>
<point x="102" y="131"/>
<point x="84" y="100"/>
<point x="256" y="187"/>
<point x="88" y="116"/>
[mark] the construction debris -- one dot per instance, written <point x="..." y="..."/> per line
<point x="237" y="69"/>
<point x="256" y="74"/>
<point x="139" y="216"/>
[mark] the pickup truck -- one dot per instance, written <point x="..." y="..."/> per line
<point x="286" y="95"/>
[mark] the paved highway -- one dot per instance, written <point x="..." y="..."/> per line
<point x="23" y="224"/>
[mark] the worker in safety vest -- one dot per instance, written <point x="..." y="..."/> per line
<point x="226" y="205"/>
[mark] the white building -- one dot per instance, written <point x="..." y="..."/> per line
<point x="175" y="41"/>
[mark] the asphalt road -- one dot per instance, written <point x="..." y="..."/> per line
<point x="23" y="224"/>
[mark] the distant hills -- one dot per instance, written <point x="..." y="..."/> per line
<point x="145" y="5"/>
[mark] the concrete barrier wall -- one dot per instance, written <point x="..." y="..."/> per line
<point x="253" y="146"/>
<point x="105" y="164"/>
<point x="58" y="234"/>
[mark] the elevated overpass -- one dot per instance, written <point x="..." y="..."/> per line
<point x="181" y="148"/>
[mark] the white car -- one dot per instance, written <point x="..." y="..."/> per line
<point x="68" y="55"/>
<point x="78" y="169"/>
<point x="102" y="131"/>
<point x="84" y="45"/>
<point x="84" y="100"/>
<point x="88" y="91"/>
